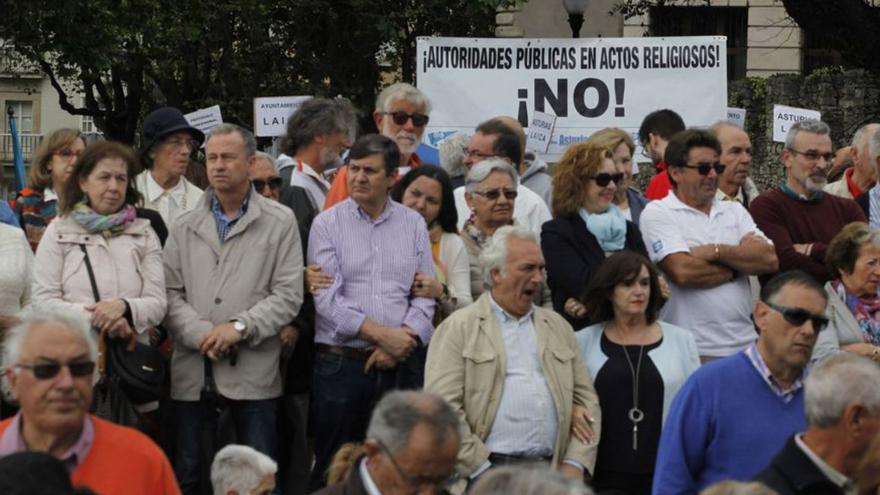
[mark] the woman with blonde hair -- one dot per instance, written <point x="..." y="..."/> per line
<point x="37" y="204"/>
<point x="587" y="226"/>
<point x="630" y="201"/>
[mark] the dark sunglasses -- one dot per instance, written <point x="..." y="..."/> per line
<point x="45" y="371"/>
<point x="400" y="118"/>
<point x="493" y="194"/>
<point x="604" y="179"/>
<point x="703" y="168"/>
<point x="273" y="183"/>
<point x="798" y="316"/>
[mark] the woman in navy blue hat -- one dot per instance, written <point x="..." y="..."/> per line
<point x="168" y="142"/>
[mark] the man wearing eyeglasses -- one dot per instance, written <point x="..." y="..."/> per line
<point x="798" y="216"/>
<point x="51" y="358"/>
<point x="706" y="247"/>
<point x="402" y="112"/>
<point x="411" y="447"/>
<point x="732" y="415"/>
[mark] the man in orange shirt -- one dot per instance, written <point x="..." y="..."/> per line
<point x="401" y="114"/>
<point x="656" y="130"/>
<point x="50" y="364"/>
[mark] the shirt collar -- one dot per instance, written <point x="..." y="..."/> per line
<point x="369" y="484"/>
<point x="854" y="189"/>
<point x="12" y="441"/>
<point x="826" y="469"/>
<point x="154" y="190"/>
<point x="761" y="366"/>
<point x="723" y="196"/>
<point x="308" y="170"/>
<point x="217" y="209"/>
<point x="505" y="317"/>
<point x="678" y="204"/>
<point x="49" y="194"/>
<point x="800" y="197"/>
<point x="360" y="213"/>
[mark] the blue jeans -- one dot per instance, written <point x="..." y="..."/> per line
<point x="343" y="397"/>
<point x="254" y="425"/>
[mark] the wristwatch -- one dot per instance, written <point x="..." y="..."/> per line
<point x="239" y="327"/>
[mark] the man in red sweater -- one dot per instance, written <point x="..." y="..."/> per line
<point x="798" y="216"/>
<point x="50" y="358"/>
<point x="656" y="130"/>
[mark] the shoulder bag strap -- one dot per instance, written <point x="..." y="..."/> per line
<point x="102" y="347"/>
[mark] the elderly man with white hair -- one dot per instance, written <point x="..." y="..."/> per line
<point x="242" y="470"/>
<point x="50" y="357"/>
<point x="870" y="199"/>
<point x="858" y="179"/>
<point x="842" y="403"/>
<point x="511" y="369"/>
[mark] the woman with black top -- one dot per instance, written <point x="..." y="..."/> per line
<point x="638" y="365"/>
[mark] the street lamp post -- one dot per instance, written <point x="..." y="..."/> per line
<point x="575" y="9"/>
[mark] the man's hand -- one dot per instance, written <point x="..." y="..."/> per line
<point x="119" y="329"/>
<point x="219" y="340"/>
<point x="575" y="308"/>
<point x="398" y="342"/>
<point x="582" y="424"/>
<point x="289" y="336"/>
<point x="106" y="313"/>
<point x="426" y="286"/>
<point x="381" y="360"/>
<point x="317" y="279"/>
<point x="570" y="471"/>
<point x="705" y="252"/>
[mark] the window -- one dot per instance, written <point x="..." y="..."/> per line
<point x="87" y="125"/>
<point x="816" y="54"/>
<point x="24" y="115"/>
<point x="732" y="22"/>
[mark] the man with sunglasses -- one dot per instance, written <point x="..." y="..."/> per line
<point x="51" y="358"/>
<point x="411" y="447"/>
<point x="798" y="216"/>
<point x="732" y="415"/>
<point x="706" y="247"/>
<point x="402" y="113"/>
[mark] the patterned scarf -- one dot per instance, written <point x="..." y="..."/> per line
<point x="106" y="225"/>
<point x="865" y="309"/>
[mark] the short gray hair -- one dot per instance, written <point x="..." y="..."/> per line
<point x="398" y="413"/>
<point x="494" y="254"/>
<point x="47" y="314"/>
<point x="838" y="382"/>
<point x="318" y="117"/>
<point x="874" y="147"/>
<point x="811" y="126"/>
<point x="250" y="142"/>
<point x="527" y="480"/>
<point x="240" y="468"/>
<point x="262" y="155"/>
<point x="480" y="171"/>
<point x="402" y="91"/>
<point x="452" y="151"/>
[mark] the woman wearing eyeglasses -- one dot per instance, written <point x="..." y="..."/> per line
<point x="630" y="201"/>
<point x="853" y="259"/>
<point x="587" y="226"/>
<point x="37" y="204"/>
<point x="168" y="144"/>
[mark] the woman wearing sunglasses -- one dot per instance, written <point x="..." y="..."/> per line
<point x="853" y="258"/>
<point x="638" y="364"/>
<point x="587" y="226"/>
<point x="630" y="201"/>
<point x="37" y="204"/>
<point x="428" y="190"/>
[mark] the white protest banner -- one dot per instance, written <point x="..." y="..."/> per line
<point x="271" y="113"/>
<point x="737" y="116"/>
<point x="540" y="131"/>
<point x="205" y="119"/>
<point x="784" y="117"/>
<point x="588" y="84"/>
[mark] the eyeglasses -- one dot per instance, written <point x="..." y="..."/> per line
<point x="274" y="183"/>
<point x="178" y="143"/>
<point x="400" y="118"/>
<point x="494" y="194"/>
<point x="798" y="316"/>
<point x="67" y="153"/>
<point x="45" y="371"/>
<point x="703" y="168"/>
<point x="418" y="480"/>
<point x="813" y="156"/>
<point x="604" y="179"/>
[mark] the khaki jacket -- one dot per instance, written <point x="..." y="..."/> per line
<point x="255" y="276"/>
<point x="467" y="364"/>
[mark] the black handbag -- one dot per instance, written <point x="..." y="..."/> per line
<point x="140" y="369"/>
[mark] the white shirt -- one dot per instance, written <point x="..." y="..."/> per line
<point x="529" y="210"/>
<point x="719" y="317"/>
<point x="169" y="203"/>
<point x="526" y="421"/>
<point x="367" y="480"/>
<point x="315" y="185"/>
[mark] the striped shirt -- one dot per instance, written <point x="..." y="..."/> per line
<point x="759" y="364"/>
<point x="374" y="264"/>
<point x="224" y="223"/>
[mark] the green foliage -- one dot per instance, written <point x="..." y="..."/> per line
<point x="129" y="56"/>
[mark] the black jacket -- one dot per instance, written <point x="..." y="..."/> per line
<point x="793" y="473"/>
<point x="573" y="255"/>
<point x="864" y="200"/>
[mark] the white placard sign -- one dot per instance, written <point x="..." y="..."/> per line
<point x="271" y="113"/>
<point x="588" y="84"/>
<point x="205" y="119"/>
<point x="737" y="116"/>
<point x="784" y="117"/>
<point x="540" y="131"/>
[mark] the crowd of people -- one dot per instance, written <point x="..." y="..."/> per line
<point x="345" y="318"/>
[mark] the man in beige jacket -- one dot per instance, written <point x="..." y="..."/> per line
<point x="512" y="370"/>
<point x="233" y="273"/>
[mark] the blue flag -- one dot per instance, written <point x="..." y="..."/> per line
<point x="17" y="156"/>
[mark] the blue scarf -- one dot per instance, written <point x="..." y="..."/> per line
<point x="609" y="228"/>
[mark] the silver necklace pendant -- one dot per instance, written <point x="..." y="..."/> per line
<point x="636" y="415"/>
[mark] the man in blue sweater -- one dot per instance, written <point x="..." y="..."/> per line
<point x="734" y="414"/>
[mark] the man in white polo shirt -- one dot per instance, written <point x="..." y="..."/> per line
<point x="706" y="247"/>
